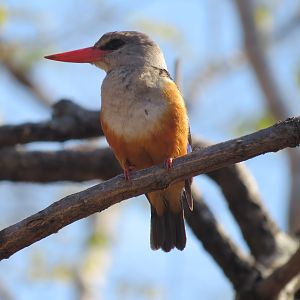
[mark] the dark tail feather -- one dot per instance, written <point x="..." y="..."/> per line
<point x="180" y="231"/>
<point x="167" y="231"/>
<point x="157" y="233"/>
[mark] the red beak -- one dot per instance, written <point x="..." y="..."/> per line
<point x="85" y="55"/>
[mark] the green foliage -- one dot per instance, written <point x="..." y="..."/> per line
<point x="249" y="125"/>
<point x="262" y="14"/>
<point x="3" y="15"/>
<point x="40" y="269"/>
<point x="62" y="272"/>
<point x="263" y="17"/>
<point x="98" y="239"/>
<point x="265" y="121"/>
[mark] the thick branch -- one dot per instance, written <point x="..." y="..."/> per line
<point x="100" y="197"/>
<point x="238" y="268"/>
<point x="94" y="164"/>
<point x="246" y="206"/>
<point x="258" y="229"/>
<point x="276" y="102"/>
<point x="36" y="166"/>
<point x="49" y="166"/>
<point x="240" y="191"/>
<point x="271" y="286"/>
<point x="69" y="121"/>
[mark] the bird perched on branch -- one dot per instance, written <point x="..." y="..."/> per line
<point x="144" y="119"/>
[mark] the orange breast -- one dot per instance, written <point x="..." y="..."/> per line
<point x="168" y="138"/>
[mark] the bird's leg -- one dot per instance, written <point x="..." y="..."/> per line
<point x="169" y="162"/>
<point x="127" y="170"/>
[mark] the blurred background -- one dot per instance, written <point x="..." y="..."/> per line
<point x="107" y="256"/>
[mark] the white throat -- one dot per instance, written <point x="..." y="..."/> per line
<point x="132" y="102"/>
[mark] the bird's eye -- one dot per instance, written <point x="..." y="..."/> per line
<point x="113" y="44"/>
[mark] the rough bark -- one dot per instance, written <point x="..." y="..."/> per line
<point x="65" y="165"/>
<point x="69" y="121"/>
<point x="275" y="284"/>
<point x="245" y="204"/>
<point x="254" y="48"/>
<point x="239" y="268"/>
<point x="99" y="197"/>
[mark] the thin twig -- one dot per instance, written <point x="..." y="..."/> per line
<point x="23" y="78"/>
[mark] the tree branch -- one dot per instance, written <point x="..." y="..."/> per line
<point x="271" y="286"/>
<point x="22" y="77"/>
<point x="245" y="203"/>
<point x="69" y="121"/>
<point x="64" y="165"/>
<point x="258" y="229"/>
<point x="237" y="267"/>
<point x="94" y="164"/>
<point x="100" y="197"/>
<point x="274" y="98"/>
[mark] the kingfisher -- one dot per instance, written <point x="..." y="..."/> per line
<point x="145" y="121"/>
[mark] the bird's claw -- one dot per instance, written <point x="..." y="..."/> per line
<point x="127" y="172"/>
<point x="169" y="162"/>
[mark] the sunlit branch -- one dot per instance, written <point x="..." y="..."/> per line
<point x="100" y="197"/>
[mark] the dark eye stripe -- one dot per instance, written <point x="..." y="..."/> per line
<point x="113" y="44"/>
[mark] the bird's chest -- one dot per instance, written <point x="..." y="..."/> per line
<point x="130" y="118"/>
<point x="131" y="112"/>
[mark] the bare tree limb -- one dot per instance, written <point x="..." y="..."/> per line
<point x="77" y="165"/>
<point x="35" y="166"/>
<point x="239" y="268"/>
<point x="65" y="165"/>
<point x="100" y="197"/>
<point x="271" y="286"/>
<point x="294" y="198"/>
<point x="88" y="164"/>
<point x="245" y="203"/>
<point x="69" y="121"/>
<point x="274" y="98"/>
<point x="239" y="189"/>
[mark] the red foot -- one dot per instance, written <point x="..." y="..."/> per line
<point x="127" y="172"/>
<point x="169" y="162"/>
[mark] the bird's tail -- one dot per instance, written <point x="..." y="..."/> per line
<point x="167" y="230"/>
<point x="167" y="222"/>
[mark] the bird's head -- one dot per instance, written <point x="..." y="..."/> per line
<point x="116" y="49"/>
